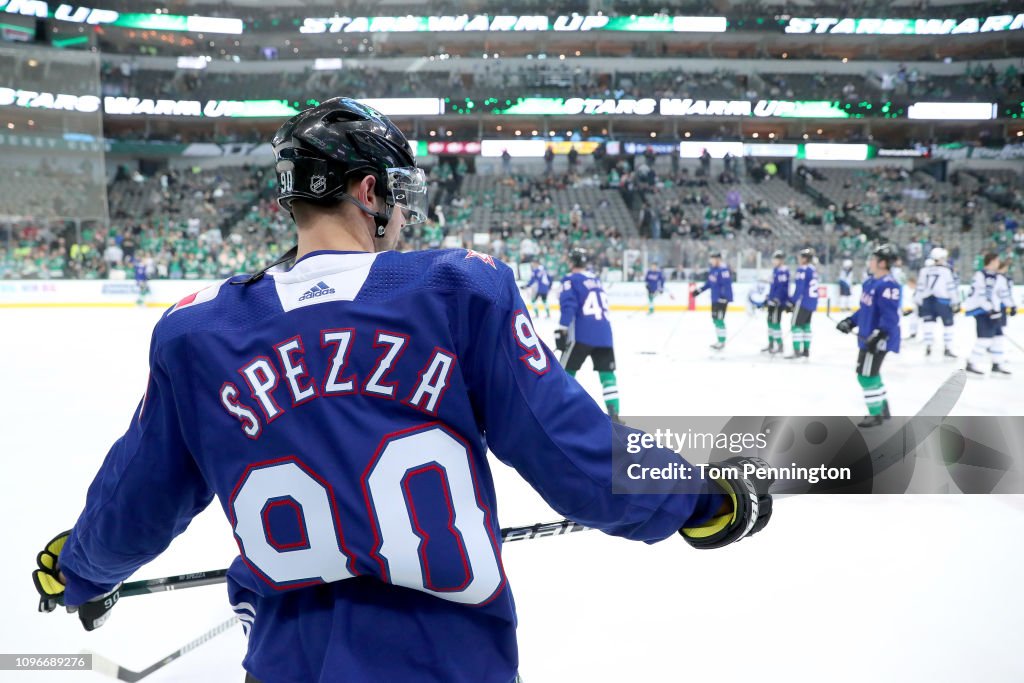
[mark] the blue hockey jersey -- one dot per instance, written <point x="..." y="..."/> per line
<point x="585" y="309"/>
<point x="340" y="412"/>
<point x="879" y="310"/>
<point x="541" y="280"/>
<point x="779" y="290"/>
<point x="719" y="281"/>
<point x="805" y="291"/>
<point x="655" y="281"/>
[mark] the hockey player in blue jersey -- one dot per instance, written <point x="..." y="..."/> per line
<point x="778" y="298"/>
<point x="986" y="305"/>
<point x="584" y="329"/>
<point x="655" y="282"/>
<point x="719" y="281"/>
<point x="340" y="411"/>
<point x="804" y="302"/>
<point x="540" y="282"/>
<point x="878" y="324"/>
<point x="141" y="277"/>
<point x="938" y="298"/>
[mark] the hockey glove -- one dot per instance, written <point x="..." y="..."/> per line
<point x="788" y="308"/>
<point x="751" y="505"/>
<point x="50" y="584"/>
<point x="876" y="341"/>
<point x="996" y="315"/>
<point x="561" y="338"/>
<point x="774" y="303"/>
<point x="1011" y="311"/>
<point x="956" y="308"/>
<point x="846" y="325"/>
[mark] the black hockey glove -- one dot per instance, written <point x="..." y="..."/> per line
<point x="50" y="585"/>
<point x="774" y="303"/>
<point x="561" y="339"/>
<point x="876" y="341"/>
<point x="996" y="315"/>
<point x="788" y="308"/>
<point x="751" y="505"/>
<point x="956" y="308"/>
<point x="846" y="325"/>
<point x="1011" y="311"/>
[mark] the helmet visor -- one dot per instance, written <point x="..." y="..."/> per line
<point x="408" y="188"/>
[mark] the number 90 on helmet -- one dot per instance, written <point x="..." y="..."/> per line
<point x="321" y="149"/>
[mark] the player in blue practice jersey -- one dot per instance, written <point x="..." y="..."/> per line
<point x="803" y="303"/>
<point x="540" y="281"/>
<point x="584" y="330"/>
<point x="986" y="304"/>
<point x="141" y="277"/>
<point x="340" y="411"/>
<point x="778" y="298"/>
<point x="719" y="281"/>
<point x="878" y="322"/>
<point x="655" y="281"/>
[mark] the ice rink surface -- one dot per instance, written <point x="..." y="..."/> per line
<point x="901" y="589"/>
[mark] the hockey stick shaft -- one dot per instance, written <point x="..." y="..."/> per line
<point x="110" y="668"/>
<point x="215" y="576"/>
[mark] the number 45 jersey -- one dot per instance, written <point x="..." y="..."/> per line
<point x="340" y="412"/>
<point x="584" y="309"/>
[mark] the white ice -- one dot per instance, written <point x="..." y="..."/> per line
<point x="901" y="589"/>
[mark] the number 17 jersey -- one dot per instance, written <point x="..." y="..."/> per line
<point x="584" y="306"/>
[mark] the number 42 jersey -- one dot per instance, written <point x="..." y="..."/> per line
<point x="340" y="413"/>
<point x="584" y="309"/>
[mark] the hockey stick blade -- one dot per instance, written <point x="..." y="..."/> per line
<point x="107" y="667"/>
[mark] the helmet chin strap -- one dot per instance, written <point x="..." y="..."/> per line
<point x="379" y="219"/>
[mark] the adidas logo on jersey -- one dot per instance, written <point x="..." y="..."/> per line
<point x="319" y="289"/>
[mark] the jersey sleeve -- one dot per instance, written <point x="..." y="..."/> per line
<point x="146" y="492"/>
<point x="540" y="421"/>
<point x="887" y="300"/>
<point x="567" y="304"/>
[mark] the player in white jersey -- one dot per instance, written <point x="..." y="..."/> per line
<point x="985" y="305"/>
<point x="938" y="299"/>
<point x="845" y="285"/>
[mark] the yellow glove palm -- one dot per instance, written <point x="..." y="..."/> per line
<point x="47" y="577"/>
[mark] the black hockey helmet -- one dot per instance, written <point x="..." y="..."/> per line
<point x="320" y="149"/>
<point x="578" y="257"/>
<point x="779" y="254"/>
<point x="715" y="253"/>
<point x="888" y="253"/>
<point x="807" y="253"/>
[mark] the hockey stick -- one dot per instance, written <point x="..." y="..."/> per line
<point x="1013" y="341"/>
<point x="215" y="576"/>
<point x="102" y="665"/>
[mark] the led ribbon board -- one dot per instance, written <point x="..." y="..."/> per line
<point x="512" y="23"/>
<point x="901" y="27"/>
<point x="79" y="14"/>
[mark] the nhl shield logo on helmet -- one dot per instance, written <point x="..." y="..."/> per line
<point x="317" y="184"/>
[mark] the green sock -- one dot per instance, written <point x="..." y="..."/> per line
<point x="874" y="393"/>
<point x="571" y="373"/>
<point x="720" y="330"/>
<point x="611" y="391"/>
<point x="807" y="338"/>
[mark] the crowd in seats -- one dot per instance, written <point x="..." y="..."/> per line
<point x="554" y="78"/>
<point x="191" y="224"/>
